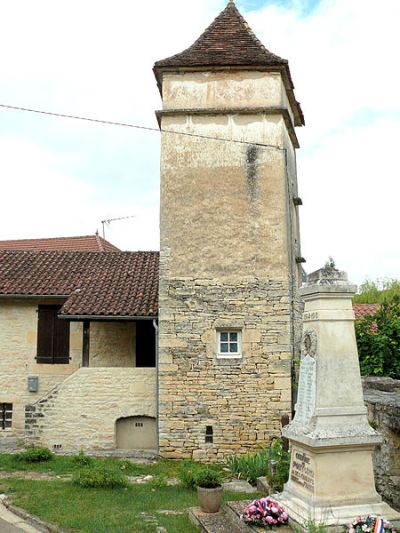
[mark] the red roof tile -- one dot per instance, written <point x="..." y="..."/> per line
<point x="88" y="243"/>
<point x="363" y="310"/>
<point x="94" y="283"/>
<point x="229" y="42"/>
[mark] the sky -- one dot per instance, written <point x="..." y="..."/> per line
<point x="94" y="58"/>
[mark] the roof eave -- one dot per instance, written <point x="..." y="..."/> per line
<point x="106" y="317"/>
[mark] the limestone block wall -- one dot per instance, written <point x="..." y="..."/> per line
<point x="382" y="397"/>
<point x="112" y="344"/>
<point x="81" y="412"/>
<point x="242" y="399"/>
<point x="18" y="346"/>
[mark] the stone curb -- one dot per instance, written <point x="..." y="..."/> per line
<point x="33" y="521"/>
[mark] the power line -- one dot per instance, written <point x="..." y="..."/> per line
<point x="137" y="126"/>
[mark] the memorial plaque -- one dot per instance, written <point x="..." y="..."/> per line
<point x="306" y="393"/>
<point x="302" y="471"/>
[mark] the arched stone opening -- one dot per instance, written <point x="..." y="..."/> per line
<point x="136" y="433"/>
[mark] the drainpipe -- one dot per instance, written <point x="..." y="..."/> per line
<point x="155" y="326"/>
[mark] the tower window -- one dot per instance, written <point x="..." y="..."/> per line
<point x="209" y="434"/>
<point x="229" y="343"/>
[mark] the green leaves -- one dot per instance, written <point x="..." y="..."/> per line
<point x="378" y="341"/>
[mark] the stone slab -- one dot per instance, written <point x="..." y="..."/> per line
<point x="213" y="522"/>
<point x="239" y="486"/>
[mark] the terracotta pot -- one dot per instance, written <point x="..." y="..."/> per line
<point x="210" y="499"/>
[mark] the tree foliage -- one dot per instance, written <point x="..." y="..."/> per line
<point x="378" y="291"/>
<point x="378" y="340"/>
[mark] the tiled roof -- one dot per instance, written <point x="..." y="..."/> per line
<point x="94" y="283"/>
<point x="363" y="310"/>
<point x="87" y="243"/>
<point x="229" y="42"/>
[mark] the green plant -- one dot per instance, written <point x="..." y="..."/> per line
<point x="187" y="474"/>
<point x="250" y="466"/>
<point x="34" y="454"/>
<point x="100" y="476"/>
<point x="378" y="341"/>
<point x="208" y="478"/>
<point x="378" y="292"/>
<point x="81" y="459"/>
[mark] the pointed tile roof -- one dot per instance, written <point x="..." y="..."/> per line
<point x="229" y="42"/>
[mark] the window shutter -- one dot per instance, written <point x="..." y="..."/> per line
<point x="45" y="334"/>
<point x="61" y="341"/>
<point x="53" y="336"/>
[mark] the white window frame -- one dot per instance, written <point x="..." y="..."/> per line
<point x="229" y="355"/>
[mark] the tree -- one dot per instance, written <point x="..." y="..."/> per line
<point x="378" y="291"/>
<point x="378" y="341"/>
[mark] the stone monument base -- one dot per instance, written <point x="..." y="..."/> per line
<point x="332" y="486"/>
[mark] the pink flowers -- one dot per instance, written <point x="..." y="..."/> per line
<point x="266" y="513"/>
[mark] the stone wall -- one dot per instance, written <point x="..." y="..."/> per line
<point x="382" y="397"/>
<point x="111" y="345"/>
<point x="241" y="399"/>
<point x="18" y="346"/>
<point x="81" y="412"/>
<point x="229" y="242"/>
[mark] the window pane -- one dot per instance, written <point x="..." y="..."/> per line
<point x="224" y="347"/>
<point x="224" y="336"/>
<point x="233" y="347"/>
<point x="233" y="336"/>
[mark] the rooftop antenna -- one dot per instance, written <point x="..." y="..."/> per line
<point x="109" y="220"/>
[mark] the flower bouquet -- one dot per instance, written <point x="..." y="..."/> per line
<point x="369" y="524"/>
<point x="265" y="513"/>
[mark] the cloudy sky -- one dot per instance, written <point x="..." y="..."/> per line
<point x="94" y="58"/>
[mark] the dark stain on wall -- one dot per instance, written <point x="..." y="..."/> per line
<point x="251" y="171"/>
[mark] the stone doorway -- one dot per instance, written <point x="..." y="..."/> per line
<point x="136" y="433"/>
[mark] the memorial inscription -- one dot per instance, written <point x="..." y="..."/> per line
<point x="306" y="393"/>
<point x="302" y="472"/>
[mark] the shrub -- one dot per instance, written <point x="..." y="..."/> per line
<point x="187" y="474"/>
<point x="208" y="478"/>
<point x="250" y="466"/>
<point x="100" y="477"/>
<point x="378" y="341"/>
<point x="82" y="459"/>
<point x="34" y="454"/>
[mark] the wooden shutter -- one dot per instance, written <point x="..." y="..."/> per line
<point x="53" y="336"/>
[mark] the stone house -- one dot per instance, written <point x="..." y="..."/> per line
<point x="77" y="349"/>
<point x="230" y="264"/>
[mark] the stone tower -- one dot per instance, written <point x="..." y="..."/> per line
<point x="230" y="247"/>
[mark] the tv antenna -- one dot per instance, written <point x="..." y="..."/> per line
<point x="109" y="220"/>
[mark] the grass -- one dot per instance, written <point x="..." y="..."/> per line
<point x="64" y="465"/>
<point x="125" y="510"/>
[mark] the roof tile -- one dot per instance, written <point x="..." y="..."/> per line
<point x="87" y="243"/>
<point x="94" y="283"/>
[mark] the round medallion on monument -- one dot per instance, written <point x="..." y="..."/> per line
<point x="309" y="343"/>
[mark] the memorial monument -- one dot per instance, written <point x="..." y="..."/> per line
<point x="331" y="473"/>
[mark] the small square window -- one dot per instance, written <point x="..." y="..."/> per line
<point x="5" y="415"/>
<point x="229" y="344"/>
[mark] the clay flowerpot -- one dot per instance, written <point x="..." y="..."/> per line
<point x="210" y="499"/>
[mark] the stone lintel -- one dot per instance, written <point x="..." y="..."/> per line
<point x="234" y="111"/>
